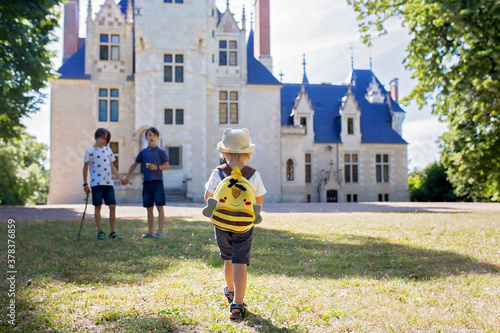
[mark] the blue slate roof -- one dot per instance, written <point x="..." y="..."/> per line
<point x="375" y="120"/>
<point x="256" y="72"/>
<point x="74" y="67"/>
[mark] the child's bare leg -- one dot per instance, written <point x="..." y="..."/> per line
<point x="112" y="217"/>
<point x="97" y="215"/>
<point x="151" y="220"/>
<point x="240" y="282"/>
<point x="161" y="219"/>
<point x="229" y="274"/>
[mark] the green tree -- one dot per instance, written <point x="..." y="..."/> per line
<point x="26" y="29"/>
<point x="431" y="184"/>
<point x="23" y="178"/>
<point x="455" y="55"/>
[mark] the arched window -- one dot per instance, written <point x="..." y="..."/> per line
<point x="289" y="169"/>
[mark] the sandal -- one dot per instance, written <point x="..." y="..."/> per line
<point x="114" y="235"/>
<point x="229" y="295"/>
<point x="146" y="235"/>
<point x="101" y="235"/>
<point x="237" y="315"/>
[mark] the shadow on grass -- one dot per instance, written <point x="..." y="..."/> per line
<point x="50" y="250"/>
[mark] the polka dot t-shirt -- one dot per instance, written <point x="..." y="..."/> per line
<point x="99" y="165"/>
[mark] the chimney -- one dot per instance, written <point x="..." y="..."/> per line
<point x="71" y="23"/>
<point x="262" y="39"/>
<point x="394" y="89"/>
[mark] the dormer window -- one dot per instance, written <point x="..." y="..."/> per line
<point x="303" y="121"/>
<point x="109" y="47"/>
<point x="228" y="53"/>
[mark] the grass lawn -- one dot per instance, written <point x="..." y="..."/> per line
<point x="345" y="272"/>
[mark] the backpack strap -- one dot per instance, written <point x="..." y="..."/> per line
<point x="225" y="169"/>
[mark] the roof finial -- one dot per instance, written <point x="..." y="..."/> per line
<point x="370" y="60"/>
<point x="130" y="12"/>
<point x="243" y="19"/>
<point x="352" y="57"/>
<point x="227" y="3"/>
<point x="304" y="79"/>
<point x="89" y="11"/>
<point x="281" y="76"/>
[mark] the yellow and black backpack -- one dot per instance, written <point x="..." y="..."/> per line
<point x="233" y="207"/>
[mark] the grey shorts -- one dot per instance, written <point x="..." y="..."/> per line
<point x="233" y="246"/>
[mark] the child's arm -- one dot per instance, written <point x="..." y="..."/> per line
<point x="115" y="172"/>
<point x="86" y="187"/>
<point x="260" y="200"/>
<point x="154" y="167"/>
<point x="130" y="170"/>
<point x="208" y="195"/>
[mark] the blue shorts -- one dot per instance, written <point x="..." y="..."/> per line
<point x="101" y="192"/>
<point x="233" y="246"/>
<point x="153" y="193"/>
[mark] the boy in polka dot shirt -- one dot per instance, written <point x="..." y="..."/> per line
<point x="99" y="161"/>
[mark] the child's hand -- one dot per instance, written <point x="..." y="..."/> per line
<point x="86" y="189"/>
<point x="151" y="166"/>
<point x="124" y="180"/>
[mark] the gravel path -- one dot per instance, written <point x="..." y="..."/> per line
<point x="68" y="212"/>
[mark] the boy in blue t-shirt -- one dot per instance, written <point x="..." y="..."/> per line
<point x="153" y="159"/>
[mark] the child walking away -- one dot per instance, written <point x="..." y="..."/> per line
<point x="234" y="195"/>
<point x="99" y="161"/>
<point x="154" y="160"/>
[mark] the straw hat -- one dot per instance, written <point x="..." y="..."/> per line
<point x="236" y="141"/>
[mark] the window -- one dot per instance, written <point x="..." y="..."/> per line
<point x="350" y="126"/>
<point x="114" y="148"/>
<point x="382" y="168"/>
<point x="174" y="157"/>
<point x="108" y="101"/>
<point x="303" y="121"/>
<point x="308" y="168"/>
<point x="173" y="1"/>
<point x="228" y="55"/>
<point x="289" y="170"/>
<point x="173" y="70"/>
<point x="228" y="101"/>
<point x="351" y="168"/>
<point x="383" y="197"/>
<point x="352" y="198"/>
<point x="109" y="48"/>
<point x="174" y="117"/>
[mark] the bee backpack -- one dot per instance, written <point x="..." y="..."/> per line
<point x="233" y="207"/>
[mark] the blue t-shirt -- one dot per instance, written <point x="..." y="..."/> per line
<point x="156" y="156"/>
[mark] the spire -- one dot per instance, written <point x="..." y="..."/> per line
<point x="130" y="12"/>
<point x="352" y="57"/>
<point x="304" y="78"/>
<point x="281" y="76"/>
<point x="243" y="19"/>
<point x="89" y="11"/>
<point x="370" y="60"/>
<point x="227" y="4"/>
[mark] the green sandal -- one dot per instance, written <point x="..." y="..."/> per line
<point x="237" y="315"/>
<point x="114" y="235"/>
<point x="101" y="235"/>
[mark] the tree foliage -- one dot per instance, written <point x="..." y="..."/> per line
<point x="23" y="178"/>
<point x="431" y="184"/>
<point x="455" y="55"/>
<point x="25" y="62"/>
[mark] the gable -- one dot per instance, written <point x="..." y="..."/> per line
<point x="110" y="15"/>
<point x="227" y="24"/>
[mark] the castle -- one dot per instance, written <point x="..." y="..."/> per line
<point x="189" y="69"/>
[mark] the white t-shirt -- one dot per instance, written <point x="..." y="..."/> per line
<point x="99" y="165"/>
<point x="255" y="181"/>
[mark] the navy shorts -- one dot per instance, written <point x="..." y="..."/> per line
<point x="233" y="246"/>
<point x="101" y="192"/>
<point x="153" y="193"/>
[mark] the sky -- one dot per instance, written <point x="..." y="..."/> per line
<point x="326" y="32"/>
